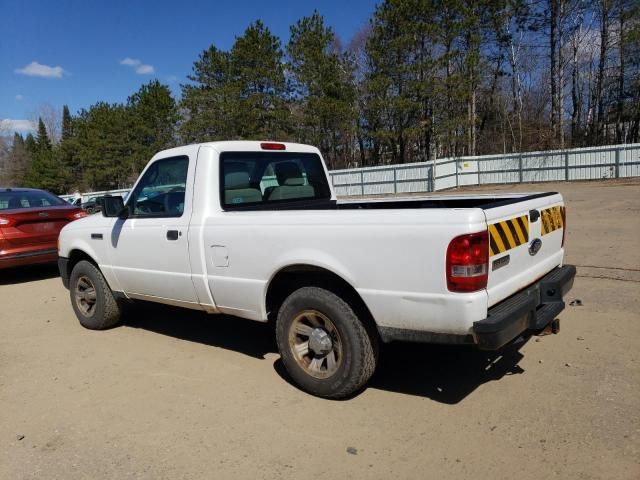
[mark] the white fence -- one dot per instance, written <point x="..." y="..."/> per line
<point x="87" y="195"/>
<point x="595" y="163"/>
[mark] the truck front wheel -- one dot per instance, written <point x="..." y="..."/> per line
<point x="324" y="346"/>
<point x="91" y="298"/>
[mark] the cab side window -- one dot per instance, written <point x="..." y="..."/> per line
<point x="160" y="192"/>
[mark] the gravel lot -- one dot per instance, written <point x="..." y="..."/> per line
<point x="176" y="394"/>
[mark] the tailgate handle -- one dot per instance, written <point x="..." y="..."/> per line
<point x="534" y="215"/>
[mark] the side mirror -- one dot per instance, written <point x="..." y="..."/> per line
<point x="112" y="206"/>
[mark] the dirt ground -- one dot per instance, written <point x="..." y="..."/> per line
<point x="176" y="394"/>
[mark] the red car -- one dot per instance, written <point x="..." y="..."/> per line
<point x="30" y="221"/>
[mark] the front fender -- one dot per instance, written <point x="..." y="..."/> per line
<point x="81" y="241"/>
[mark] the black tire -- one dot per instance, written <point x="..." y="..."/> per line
<point x="105" y="311"/>
<point x="358" y="346"/>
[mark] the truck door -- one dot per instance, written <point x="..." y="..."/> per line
<point x="149" y="249"/>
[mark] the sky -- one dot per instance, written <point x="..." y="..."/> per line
<point x="79" y="52"/>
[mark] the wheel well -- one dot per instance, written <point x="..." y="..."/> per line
<point x="76" y="256"/>
<point x="291" y="278"/>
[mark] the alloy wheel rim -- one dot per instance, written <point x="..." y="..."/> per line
<point x="315" y="344"/>
<point x="85" y="294"/>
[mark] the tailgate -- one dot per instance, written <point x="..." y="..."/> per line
<point x="525" y="243"/>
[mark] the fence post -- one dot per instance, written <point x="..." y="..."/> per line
<point x="395" y="180"/>
<point x="617" y="162"/>
<point x="362" y="182"/>
<point x="455" y="164"/>
<point x="433" y="175"/>
<point x="566" y="166"/>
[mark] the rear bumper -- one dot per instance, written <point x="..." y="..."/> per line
<point x="63" y="266"/>
<point x="28" y="257"/>
<point x="532" y="309"/>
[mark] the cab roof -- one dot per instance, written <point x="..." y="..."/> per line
<point x="240" y="146"/>
<point x="20" y="189"/>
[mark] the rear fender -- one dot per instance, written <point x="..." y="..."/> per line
<point x="309" y="257"/>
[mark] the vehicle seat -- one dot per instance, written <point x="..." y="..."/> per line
<point x="175" y="202"/>
<point x="237" y="189"/>
<point x="291" y="183"/>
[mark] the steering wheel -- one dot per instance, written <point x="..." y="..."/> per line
<point x="142" y="208"/>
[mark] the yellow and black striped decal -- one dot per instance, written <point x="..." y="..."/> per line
<point x="552" y="219"/>
<point x="508" y="234"/>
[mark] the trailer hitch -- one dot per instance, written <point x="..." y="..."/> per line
<point x="553" y="327"/>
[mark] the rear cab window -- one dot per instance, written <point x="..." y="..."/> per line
<point x="269" y="180"/>
<point x="16" y="199"/>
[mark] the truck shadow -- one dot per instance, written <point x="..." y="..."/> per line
<point x="250" y="338"/>
<point x="445" y="374"/>
<point x="28" y="273"/>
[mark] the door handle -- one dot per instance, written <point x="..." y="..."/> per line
<point x="173" y="234"/>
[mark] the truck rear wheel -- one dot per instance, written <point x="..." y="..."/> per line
<point x="91" y="298"/>
<point x="324" y="346"/>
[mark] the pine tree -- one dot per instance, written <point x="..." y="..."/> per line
<point x="19" y="161"/>
<point x="398" y="81"/>
<point x="42" y="138"/>
<point x="258" y="72"/>
<point x="238" y="94"/>
<point x="45" y="171"/>
<point x="105" y="146"/>
<point x="324" y="88"/>
<point x="154" y="116"/>
<point x="210" y="101"/>
<point x="67" y="123"/>
<point x="30" y="144"/>
<point x="66" y="151"/>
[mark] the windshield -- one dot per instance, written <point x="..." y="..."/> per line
<point x="28" y="199"/>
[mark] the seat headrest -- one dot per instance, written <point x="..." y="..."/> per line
<point x="236" y="180"/>
<point x="235" y="167"/>
<point x="14" y="202"/>
<point x="289" y="173"/>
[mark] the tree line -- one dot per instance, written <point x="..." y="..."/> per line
<point x="423" y="80"/>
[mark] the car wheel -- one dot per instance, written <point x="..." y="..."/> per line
<point x="91" y="298"/>
<point x="324" y="346"/>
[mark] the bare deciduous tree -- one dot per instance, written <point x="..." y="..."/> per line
<point x="52" y="118"/>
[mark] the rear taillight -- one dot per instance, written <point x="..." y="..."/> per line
<point x="78" y="215"/>
<point x="6" y="222"/>
<point x="563" y="212"/>
<point x="468" y="262"/>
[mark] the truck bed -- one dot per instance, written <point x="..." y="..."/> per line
<point x="484" y="202"/>
<point x="476" y="201"/>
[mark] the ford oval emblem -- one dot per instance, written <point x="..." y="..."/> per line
<point x="43" y="214"/>
<point x="535" y="246"/>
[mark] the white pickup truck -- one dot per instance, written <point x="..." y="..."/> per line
<point x="254" y="230"/>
